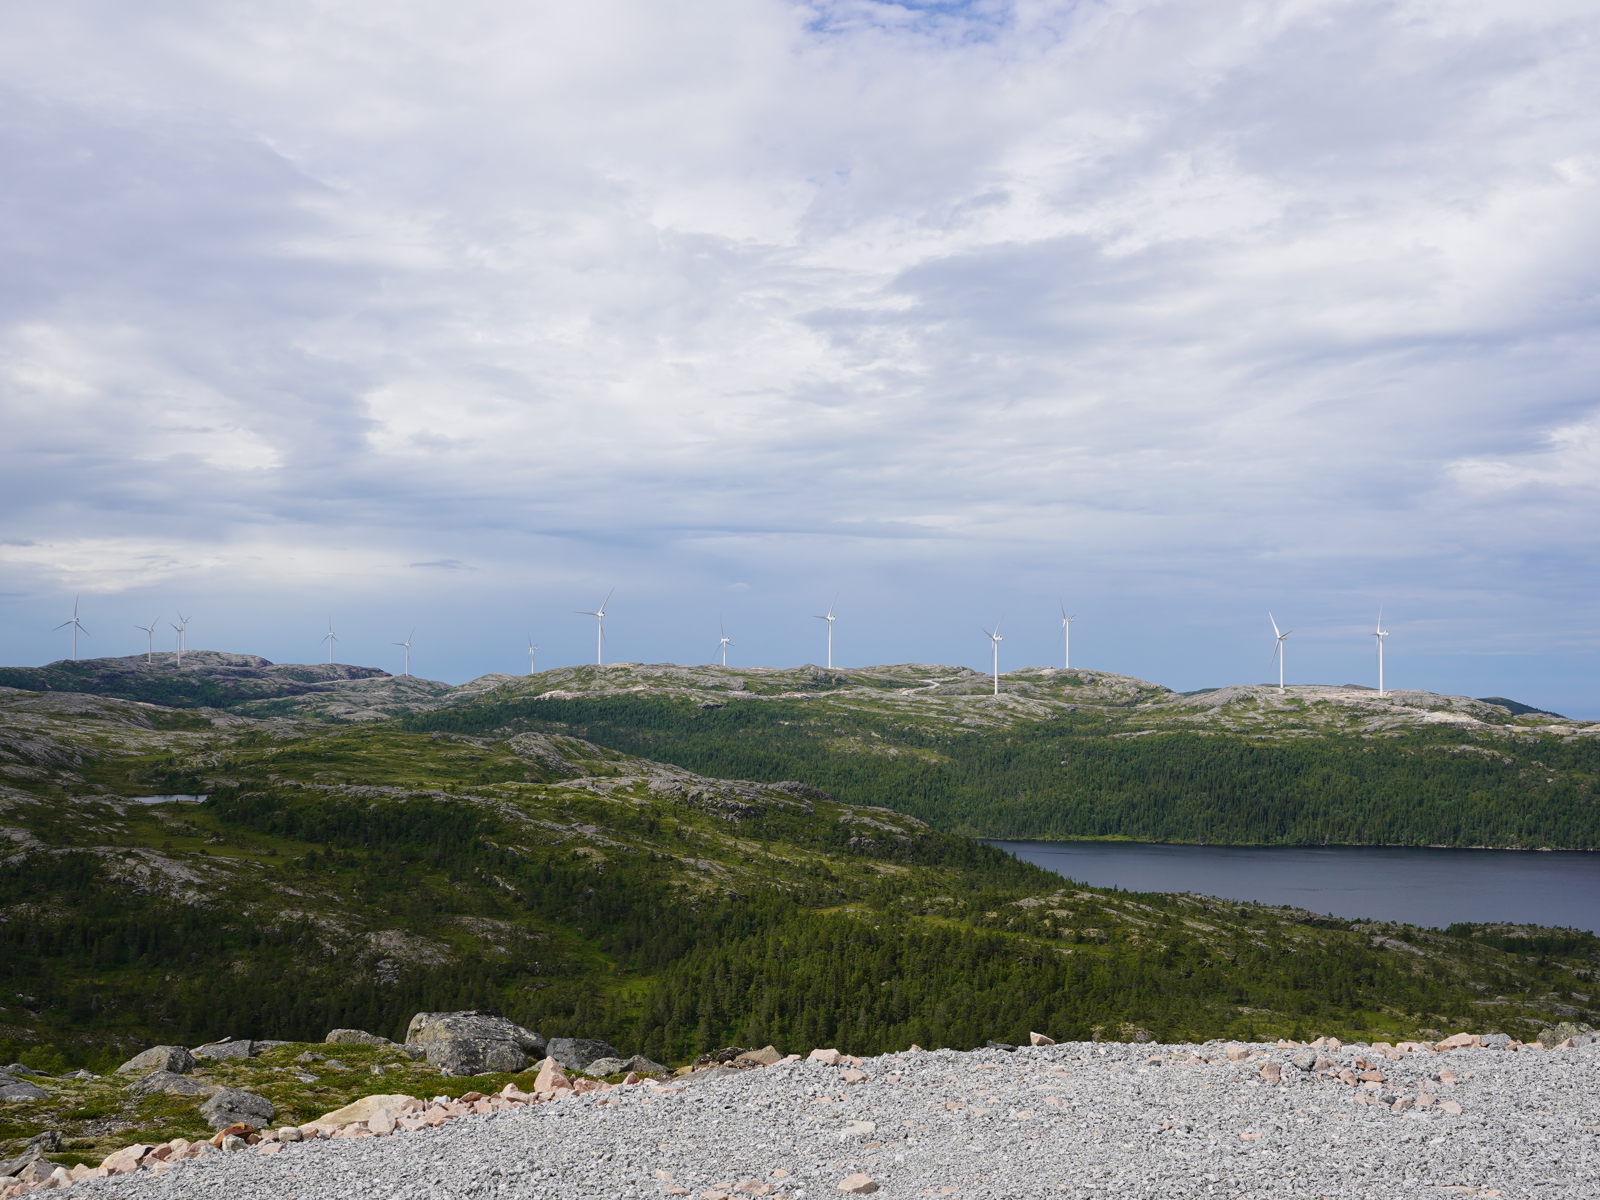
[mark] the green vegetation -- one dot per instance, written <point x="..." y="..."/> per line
<point x="1079" y="774"/>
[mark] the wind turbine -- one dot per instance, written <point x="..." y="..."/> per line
<point x="1379" y="634"/>
<point x="830" y="619"/>
<point x="330" y="637"/>
<point x="1277" y="649"/>
<point x="724" y="643"/>
<point x="182" y="640"/>
<point x="150" y="639"/>
<point x="533" y="652"/>
<point x="599" y="616"/>
<point x="76" y="625"/>
<point x="406" y="644"/>
<point x="1066" y="638"/>
<point x="995" y="639"/>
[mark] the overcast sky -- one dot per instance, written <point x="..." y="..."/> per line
<point x="456" y="316"/>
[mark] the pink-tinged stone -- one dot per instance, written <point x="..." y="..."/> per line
<point x="382" y="1122"/>
<point x="853" y="1076"/>
<point x="1372" y="1077"/>
<point x="1458" y="1041"/>
<point x="1236" y="1053"/>
<point x="550" y="1077"/>
<point x="714" y="1195"/>
<point x="778" y="1173"/>
<point x="1039" y="1039"/>
<point x="1403" y="1103"/>
<point x="1425" y="1099"/>
<point x="413" y="1105"/>
<point x="436" y="1116"/>
<point x="482" y="1107"/>
<point x="675" y="1190"/>
<point x="1347" y="1076"/>
<point x="857" y="1184"/>
<point x="830" y="1057"/>
<point x="1451" y="1107"/>
<point x="411" y="1122"/>
<point x="1447" y="1077"/>
<point x="270" y="1148"/>
<point x="1250" y="1135"/>
<point x="1272" y="1072"/>
<point x="1322" y="1064"/>
<point x="664" y="1175"/>
<point x="631" y="1078"/>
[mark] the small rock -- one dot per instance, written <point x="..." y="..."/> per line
<point x="309" y="1056"/>
<point x="1305" y="1060"/>
<point x="991" y="1044"/>
<point x="550" y="1077"/>
<point x="1458" y="1041"/>
<point x="233" y="1143"/>
<point x="1451" y="1107"/>
<point x="857" y="1184"/>
<point x="1272" y="1072"/>
<point x="355" y="1037"/>
<point x="830" y="1057"/>
<point x="231" y="1106"/>
<point x="1039" y="1039"/>
<point x="363" y="1109"/>
<point x="853" y="1076"/>
<point x="1236" y="1053"/>
<point x="175" y="1059"/>
<point x="290" y="1133"/>
<point x="765" y="1057"/>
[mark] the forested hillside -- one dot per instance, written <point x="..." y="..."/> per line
<point x="352" y="875"/>
<point x="1097" y="771"/>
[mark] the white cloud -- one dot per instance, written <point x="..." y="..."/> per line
<point x="1238" y="294"/>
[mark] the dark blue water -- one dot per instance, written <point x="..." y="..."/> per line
<point x="1419" y="887"/>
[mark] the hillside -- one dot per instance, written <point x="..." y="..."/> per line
<point x="1088" y="754"/>
<point x="353" y="874"/>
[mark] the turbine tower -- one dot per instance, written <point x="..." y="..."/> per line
<point x="406" y="644"/>
<point x="76" y="626"/>
<point x="150" y="638"/>
<point x="599" y="616"/>
<point x="1066" y="638"/>
<point x="1277" y="649"/>
<point x="995" y="639"/>
<point x="330" y="637"/>
<point x="533" y="652"/>
<point x="830" y="619"/>
<point x="182" y="639"/>
<point x="1379" y="634"/>
<point x="724" y="643"/>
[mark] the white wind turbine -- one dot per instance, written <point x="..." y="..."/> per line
<point x="150" y="638"/>
<point x="406" y="644"/>
<point x="533" y="652"/>
<point x="995" y="639"/>
<point x="1379" y="634"/>
<point x="1277" y="649"/>
<point x="599" y="616"/>
<point x="330" y="637"/>
<point x="76" y="626"/>
<point x="182" y="640"/>
<point x="830" y="619"/>
<point x="1066" y="637"/>
<point x="724" y="642"/>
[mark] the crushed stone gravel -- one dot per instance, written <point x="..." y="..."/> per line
<point x="1088" y="1120"/>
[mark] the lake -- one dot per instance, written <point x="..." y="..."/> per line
<point x="1416" y="886"/>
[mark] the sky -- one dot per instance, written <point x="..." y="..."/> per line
<point x="460" y="317"/>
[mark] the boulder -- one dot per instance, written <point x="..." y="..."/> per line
<point x="175" y="1059"/>
<point x="233" y="1048"/>
<point x="550" y="1077"/>
<point x="363" y="1109"/>
<point x="1555" y="1035"/>
<point x="168" y="1083"/>
<point x="764" y="1057"/>
<point x="38" y="1146"/>
<point x="477" y="1025"/>
<point x="476" y="1056"/>
<point x="231" y="1106"/>
<point x="355" y="1037"/>
<point x="575" y="1054"/>
<point x="606" y="1066"/>
<point x="1039" y="1039"/>
<point x="12" y="1088"/>
<point x="643" y="1065"/>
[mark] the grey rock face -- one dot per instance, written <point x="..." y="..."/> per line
<point x="475" y="1056"/>
<point x="1304" y="1060"/>
<point x="606" y="1066"/>
<point x="230" y="1106"/>
<point x="12" y="1088"/>
<point x="237" y="1048"/>
<point x="175" y="1059"/>
<point x="643" y="1065"/>
<point x="38" y="1146"/>
<point x="575" y="1054"/>
<point x="482" y="1026"/>
<point x="355" y="1037"/>
<point x="1497" y="1041"/>
<point x="168" y="1082"/>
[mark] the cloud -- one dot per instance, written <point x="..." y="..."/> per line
<point x="1217" y="301"/>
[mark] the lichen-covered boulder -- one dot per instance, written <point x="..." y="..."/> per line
<point x="575" y="1054"/>
<point x="473" y="1042"/>
<point x="231" y="1106"/>
<point x="176" y="1059"/>
<point x="355" y="1037"/>
<point x="167" y="1083"/>
<point x="232" y="1048"/>
<point x="476" y="1056"/>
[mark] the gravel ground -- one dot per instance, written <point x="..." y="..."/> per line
<point x="1080" y="1119"/>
